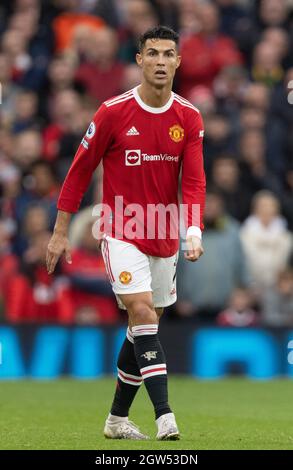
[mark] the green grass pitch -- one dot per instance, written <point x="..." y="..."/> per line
<point x="69" y="414"/>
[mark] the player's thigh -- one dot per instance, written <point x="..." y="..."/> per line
<point x="128" y="271"/>
<point x="163" y="272"/>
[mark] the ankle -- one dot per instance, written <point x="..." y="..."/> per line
<point x="115" y="419"/>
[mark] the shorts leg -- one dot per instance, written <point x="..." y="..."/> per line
<point x="127" y="267"/>
<point x="163" y="272"/>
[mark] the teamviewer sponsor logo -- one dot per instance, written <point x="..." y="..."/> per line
<point x="161" y="157"/>
<point x="132" y="157"/>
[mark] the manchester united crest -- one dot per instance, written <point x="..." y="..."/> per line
<point x="125" y="277"/>
<point x="176" y="133"/>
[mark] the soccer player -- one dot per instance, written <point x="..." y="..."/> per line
<point x="144" y="137"/>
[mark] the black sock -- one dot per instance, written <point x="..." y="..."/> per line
<point x="129" y="378"/>
<point x="151" y="360"/>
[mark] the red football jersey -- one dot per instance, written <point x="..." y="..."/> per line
<point x="143" y="150"/>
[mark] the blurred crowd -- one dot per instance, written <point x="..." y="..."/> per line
<point x="59" y="59"/>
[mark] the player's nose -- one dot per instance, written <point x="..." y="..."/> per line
<point x="161" y="60"/>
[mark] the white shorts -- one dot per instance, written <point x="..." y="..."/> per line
<point x="130" y="272"/>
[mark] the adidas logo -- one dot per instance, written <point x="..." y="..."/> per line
<point x="132" y="131"/>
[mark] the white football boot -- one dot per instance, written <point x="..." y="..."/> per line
<point x="117" y="427"/>
<point x="167" y="428"/>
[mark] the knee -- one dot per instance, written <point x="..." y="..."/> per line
<point x="143" y="314"/>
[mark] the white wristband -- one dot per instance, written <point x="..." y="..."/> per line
<point x="194" y="231"/>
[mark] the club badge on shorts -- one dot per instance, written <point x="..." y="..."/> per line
<point x="125" y="277"/>
<point x="176" y="133"/>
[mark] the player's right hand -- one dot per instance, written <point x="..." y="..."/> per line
<point x="57" y="245"/>
<point x="194" y="248"/>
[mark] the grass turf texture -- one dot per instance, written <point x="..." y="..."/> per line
<point x="69" y="414"/>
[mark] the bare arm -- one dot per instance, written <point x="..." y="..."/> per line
<point x="59" y="242"/>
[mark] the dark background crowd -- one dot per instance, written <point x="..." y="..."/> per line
<point x="59" y="60"/>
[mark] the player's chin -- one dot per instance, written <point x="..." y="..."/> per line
<point x="161" y="82"/>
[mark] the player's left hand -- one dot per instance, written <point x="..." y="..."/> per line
<point x="194" y="248"/>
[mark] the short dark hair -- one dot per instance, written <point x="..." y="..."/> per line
<point x="159" y="32"/>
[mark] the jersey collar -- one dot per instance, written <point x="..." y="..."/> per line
<point x="150" y="109"/>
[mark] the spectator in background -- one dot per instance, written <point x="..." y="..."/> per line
<point x="30" y="59"/>
<point x="61" y="73"/>
<point x="267" y="64"/>
<point x="40" y="184"/>
<point x="267" y="242"/>
<point x="14" y="45"/>
<point x="233" y="17"/>
<point x="226" y="178"/>
<point x="9" y="90"/>
<point x="252" y="118"/>
<point x="101" y="74"/>
<point x="70" y="117"/>
<point x="33" y="295"/>
<point x="277" y="305"/>
<point x="287" y="197"/>
<point x="219" y="138"/>
<point x="254" y="172"/>
<point x="203" y="98"/>
<point x="26" y="112"/>
<point x="254" y="113"/>
<point x="273" y="13"/>
<point x="8" y="262"/>
<point x="262" y="15"/>
<point x="205" y="54"/>
<point x="189" y="22"/>
<point x="131" y="77"/>
<point x="169" y="11"/>
<point x="278" y="39"/>
<point x="6" y="146"/>
<point x="65" y="24"/>
<point x="111" y="11"/>
<point x="239" y="312"/>
<point x="32" y="221"/>
<point x="81" y="43"/>
<point x="205" y="287"/>
<point x="10" y="188"/>
<point x="28" y="148"/>
<point x="89" y="298"/>
<point x="280" y="124"/>
<point x="138" y="16"/>
<point x="256" y="96"/>
<point x="229" y="88"/>
<point x="63" y="135"/>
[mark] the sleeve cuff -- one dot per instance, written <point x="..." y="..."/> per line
<point x="194" y="231"/>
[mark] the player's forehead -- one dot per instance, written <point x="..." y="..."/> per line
<point x="160" y="45"/>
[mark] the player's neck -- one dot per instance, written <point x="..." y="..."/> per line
<point x="156" y="98"/>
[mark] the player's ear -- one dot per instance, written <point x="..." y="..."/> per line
<point x="138" y="59"/>
<point x="178" y="61"/>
